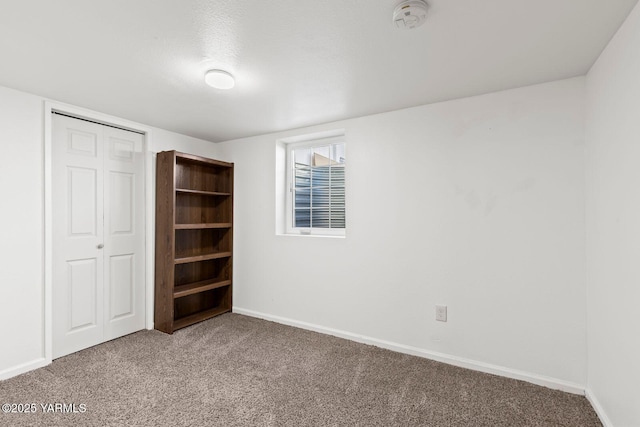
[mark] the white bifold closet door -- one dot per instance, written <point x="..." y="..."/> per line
<point x="98" y="234"/>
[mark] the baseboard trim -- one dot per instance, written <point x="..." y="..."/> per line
<point x="604" y="419"/>
<point x="21" y="369"/>
<point x="475" y="365"/>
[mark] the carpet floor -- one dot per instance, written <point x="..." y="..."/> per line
<point x="235" y="370"/>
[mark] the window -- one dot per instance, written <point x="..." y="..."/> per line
<point x="316" y="182"/>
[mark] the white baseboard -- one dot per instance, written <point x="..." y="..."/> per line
<point x="541" y="380"/>
<point x="25" y="367"/>
<point x="604" y="419"/>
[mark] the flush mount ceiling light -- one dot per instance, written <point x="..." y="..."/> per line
<point x="219" y="79"/>
<point x="410" y="14"/>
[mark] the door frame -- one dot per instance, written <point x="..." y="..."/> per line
<point x="149" y="200"/>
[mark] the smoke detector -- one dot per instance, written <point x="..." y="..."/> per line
<point x="410" y="14"/>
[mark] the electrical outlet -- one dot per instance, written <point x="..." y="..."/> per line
<point x="441" y="313"/>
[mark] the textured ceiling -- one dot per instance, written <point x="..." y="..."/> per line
<point x="296" y="62"/>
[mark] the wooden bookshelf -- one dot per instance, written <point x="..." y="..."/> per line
<point x="198" y="317"/>
<point x="204" y="225"/>
<point x="197" y="287"/>
<point x="194" y="239"/>
<point x="198" y="258"/>
<point x="205" y="193"/>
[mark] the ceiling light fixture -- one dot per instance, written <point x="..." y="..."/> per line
<point x="219" y="79"/>
<point x="410" y="14"/>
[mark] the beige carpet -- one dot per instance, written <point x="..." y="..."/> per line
<point x="239" y="371"/>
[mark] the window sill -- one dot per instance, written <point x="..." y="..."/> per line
<point x="321" y="236"/>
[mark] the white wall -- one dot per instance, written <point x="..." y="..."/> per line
<point x="475" y="203"/>
<point x="22" y="216"/>
<point x="21" y="244"/>
<point x="164" y="140"/>
<point x="613" y="227"/>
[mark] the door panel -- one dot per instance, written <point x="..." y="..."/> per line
<point x="124" y="232"/>
<point x="122" y="286"/>
<point x="78" y="265"/>
<point x="82" y="195"/>
<point x="122" y="149"/>
<point x="121" y="188"/>
<point x="82" y="143"/>
<point x="98" y="218"/>
<point x="83" y="291"/>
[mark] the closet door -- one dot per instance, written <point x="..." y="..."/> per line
<point x="78" y="262"/>
<point x="123" y="232"/>
<point x="98" y="234"/>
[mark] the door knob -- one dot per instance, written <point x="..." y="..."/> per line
<point x="100" y="246"/>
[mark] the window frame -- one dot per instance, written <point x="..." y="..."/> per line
<point x="308" y="231"/>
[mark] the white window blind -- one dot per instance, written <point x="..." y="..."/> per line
<point x="318" y="186"/>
